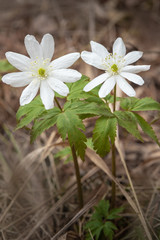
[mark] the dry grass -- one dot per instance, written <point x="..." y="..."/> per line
<point x="38" y="198"/>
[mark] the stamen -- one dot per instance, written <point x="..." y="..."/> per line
<point x="114" y="68"/>
<point x="42" y="72"/>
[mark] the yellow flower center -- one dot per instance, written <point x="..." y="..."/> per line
<point x="114" y="68"/>
<point x="42" y="72"/>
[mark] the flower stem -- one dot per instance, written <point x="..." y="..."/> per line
<point x="79" y="186"/>
<point x="76" y="166"/>
<point x="114" y="159"/>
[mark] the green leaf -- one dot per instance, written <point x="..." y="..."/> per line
<point x="29" y="112"/>
<point x="114" y="213"/>
<point x="128" y="121"/>
<point x="97" y="232"/>
<point x="5" y="66"/>
<point x="89" y="143"/>
<point x="135" y="104"/>
<point x="99" y="221"/>
<point x="46" y="121"/>
<point x="147" y="128"/>
<point x="65" y="154"/>
<point x="108" y="230"/>
<point x="93" y="224"/>
<point x="88" y="109"/>
<point x="105" y="129"/>
<point x="102" y="208"/>
<point x="76" y="89"/>
<point x="69" y="124"/>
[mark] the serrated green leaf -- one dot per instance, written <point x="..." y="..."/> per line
<point x="95" y="99"/>
<point x="108" y="230"/>
<point x="89" y="143"/>
<point x="65" y="154"/>
<point x="128" y="121"/>
<point x="135" y="104"/>
<point x="147" y="128"/>
<point x="105" y="129"/>
<point x="114" y="213"/>
<point x="76" y="89"/>
<point x="93" y="224"/>
<point x="102" y="208"/>
<point x="69" y="124"/>
<point x="46" y="121"/>
<point x="99" y="220"/>
<point x="29" y="112"/>
<point x="89" y="108"/>
<point x="97" y="232"/>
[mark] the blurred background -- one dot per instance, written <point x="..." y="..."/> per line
<point x="28" y="206"/>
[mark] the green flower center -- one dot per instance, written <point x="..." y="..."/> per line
<point x="114" y="68"/>
<point x="42" y="72"/>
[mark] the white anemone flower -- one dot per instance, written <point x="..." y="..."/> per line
<point x="116" y="66"/>
<point x="39" y="72"/>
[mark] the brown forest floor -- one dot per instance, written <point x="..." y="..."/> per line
<point x="37" y="194"/>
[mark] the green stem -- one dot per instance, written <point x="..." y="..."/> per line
<point x="76" y="166"/>
<point x="79" y="186"/>
<point x="114" y="159"/>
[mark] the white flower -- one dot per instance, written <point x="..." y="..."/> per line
<point x="116" y="66"/>
<point x="40" y="72"/>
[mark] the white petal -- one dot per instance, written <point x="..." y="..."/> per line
<point x="33" y="47"/>
<point x="66" y="75"/>
<point x="19" y="61"/>
<point x="17" y="79"/>
<point x="107" y="87"/>
<point x="125" y="87"/>
<point x="65" y="61"/>
<point x="99" y="49"/>
<point x="133" y="78"/>
<point x="58" y="86"/>
<point x="135" y="69"/>
<point x="132" y="57"/>
<point x="93" y="59"/>
<point x="29" y="92"/>
<point x="119" y="47"/>
<point x="47" y="95"/>
<point x="95" y="82"/>
<point x="47" y="44"/>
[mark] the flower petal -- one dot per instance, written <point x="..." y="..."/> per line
<point x="125" y="86"/>
<point x="93" y="59"/>
<point x="33" y="47"/>
<point x="107" y="87"/>
<point x="47" y="95"/>
<point x="29" y="92"/>
<point x="119" y="47"/>
<point x="132" y="57"/>
<point x="58" y="86"/>
<point x="95" y="82"/>
<point x="17" y="79"/>
<point x="19" y="61"/>
<point x="133" y="78"/>
<point x="65" y="61"/>
<point x="66" y="75"/>
<point x="135" y="69"/>
<point x="99" y="49"/>
<point x="47" y="44"/>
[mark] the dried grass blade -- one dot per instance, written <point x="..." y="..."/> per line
<point x="102" y="165"/>
<point x="143" y="221"/>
